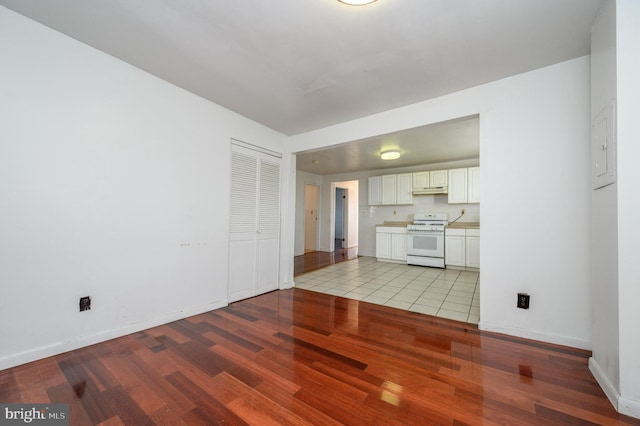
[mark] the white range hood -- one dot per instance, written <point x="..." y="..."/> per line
<point x="431" y="191"/>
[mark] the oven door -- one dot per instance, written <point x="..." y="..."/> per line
<point x="427" y="245"/>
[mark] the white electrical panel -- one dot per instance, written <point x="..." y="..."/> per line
<point x="603" y="147"/>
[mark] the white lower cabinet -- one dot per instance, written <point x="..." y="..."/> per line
<point x="462" y="248"/>
<point x="454" y="247"/>
<point x="391" y="244"/>
<point x="472" y="250"/>
<point x="383" y="245"/>
<point x="399" y="247"/>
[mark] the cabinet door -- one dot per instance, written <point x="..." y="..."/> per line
<point x="438" y="178"/>
<point x="457" y="186"/>
<point x="454" y="251"/>
<point x="473" y="185"/>
<point x="399" y="247"/>
<point x="383" y="245"/>
<point x="389" y="189"/>
<point x="404" y="189"/>
<point x="375" y="190"/>
<point x="421" y="180"/>
<point x="472" y="252"/>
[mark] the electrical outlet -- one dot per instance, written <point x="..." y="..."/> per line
<point x="462" y="211"/>
<point x="523" y="300"/>
<point x="85" y="303"/>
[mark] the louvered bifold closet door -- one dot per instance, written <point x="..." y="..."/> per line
<point x="268" y="224"/>
<point x="254" y="231"/>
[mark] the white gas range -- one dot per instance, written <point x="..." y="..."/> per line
<point x="425" y="239"/>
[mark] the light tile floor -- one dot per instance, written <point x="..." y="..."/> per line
<point x="446" y="293"/>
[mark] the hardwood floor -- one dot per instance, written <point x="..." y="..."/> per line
<point x="300" y="357"/>
<point x="319" y="259"/>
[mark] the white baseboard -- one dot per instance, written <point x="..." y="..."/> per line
<point x="284" y="286"/>
<point x="629" y="407"/>
<point x="609" y="389"/>
<point x="534" y="335"/>
<point x="80" y="342"/>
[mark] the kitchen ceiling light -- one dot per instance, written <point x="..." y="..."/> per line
<point x="390" y="155"/>
<point x="356" y="2"/>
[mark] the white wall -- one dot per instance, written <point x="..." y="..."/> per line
<point x="604" y="222"/>
<point x="534" y="156"/>
<point x="615" y="66"/>
<point x="114" y="185"/>
<point x="628" y="89"/>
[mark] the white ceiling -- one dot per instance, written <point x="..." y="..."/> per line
<point x="436" y="143"/>
<point x="300" y="65"/>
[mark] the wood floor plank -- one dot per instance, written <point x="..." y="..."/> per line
<point x="125" y="407"/>
<point x="255" y="408"/>
<point x="85" y="388"/>
<point x="299" y="357"/>
<point x="65" y="394"/>
<point x="253" y="365"/>
<point x="31" y="385"/>
<point x="207" y="407"/>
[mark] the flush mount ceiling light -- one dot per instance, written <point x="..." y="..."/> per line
<point x="356" y="2"/>
<point x="390" y="155"/>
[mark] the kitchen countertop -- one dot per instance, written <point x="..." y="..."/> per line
<point x="391" y="223"/>
<point x="464" y="225"/>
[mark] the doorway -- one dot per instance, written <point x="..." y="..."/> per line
<point x="311" y="202"/>
<point x="341" y="216"/>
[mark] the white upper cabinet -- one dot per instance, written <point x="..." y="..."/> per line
<point x="389" y="189"/>
<point x="375" y="190"/>
<point x="404" y="188"/>
<point x="473" y="185"/>
<point x="421" y="180"/>
<point x="438" y="178"/>
<point x="464" y="185"/>
<point x="430" y="179"/>
<point x="457" y="186"/>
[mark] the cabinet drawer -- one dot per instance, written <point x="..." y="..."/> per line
<point x="473" y="232"/>
<point x="454" y="232"/>
<point x="392" y="229"/>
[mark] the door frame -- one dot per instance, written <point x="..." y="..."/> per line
<point x="352" y="188"/>
<point x="317" y="208"/>
<point x="345" y="216"/>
